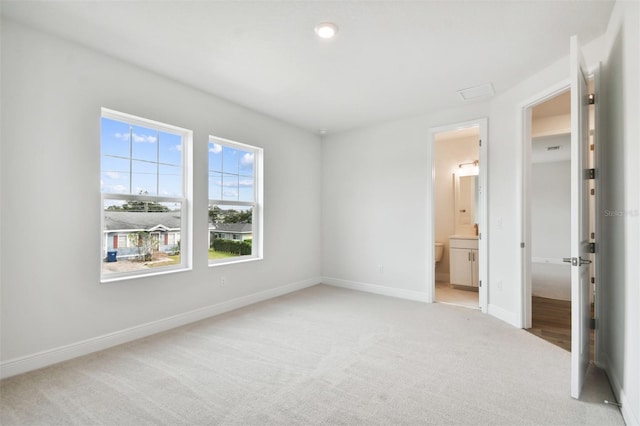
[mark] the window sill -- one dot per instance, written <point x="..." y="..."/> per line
<point x="105" y="280"/>
<point x="233" y="261"/>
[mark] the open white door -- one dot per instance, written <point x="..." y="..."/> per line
<point x="580" y="307"/>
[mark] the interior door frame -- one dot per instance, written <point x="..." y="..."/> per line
<point x="483" y="225"/>
<point x="524" y="195"/>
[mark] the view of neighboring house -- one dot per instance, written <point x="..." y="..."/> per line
<point x="123" y="228"/>
<point x="230" y="231"/>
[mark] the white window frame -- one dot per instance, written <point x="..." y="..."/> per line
<point x="186" y="215"/>
<point x="256" y="205"/>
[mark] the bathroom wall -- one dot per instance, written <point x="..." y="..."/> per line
<point x="550" y="229"/>
<point x="449" y="152"/>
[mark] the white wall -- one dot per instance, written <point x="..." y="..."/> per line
<point x="550" y="209"/>
<point x="374" y="209"/>
<point x="619" y="239"/>
<point x="52" y="92"/>
<point x="374" y="186"/>
<point x="551" y="229"/>
<point x="448" y="154"/>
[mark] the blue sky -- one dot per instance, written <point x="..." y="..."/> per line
<point x="136" y="159"/>
<point x="231" y="173"/>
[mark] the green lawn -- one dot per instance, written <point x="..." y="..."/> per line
<point x="213" y="255"/>
<point x="172" y="260"/>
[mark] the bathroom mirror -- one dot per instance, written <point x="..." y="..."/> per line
<point x="465" y="203"/>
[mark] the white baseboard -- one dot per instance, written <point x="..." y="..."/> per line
<point x="377" y="289"/>
<point x="504" y="315"/>
<point x="629" y="417"/>
<point x="48" y="357"/>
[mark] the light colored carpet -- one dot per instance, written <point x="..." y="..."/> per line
<point x="319" y="356"/>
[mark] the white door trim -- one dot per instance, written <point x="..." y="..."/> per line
<point x="483" y="247"/>
<point x="523" y="174"/>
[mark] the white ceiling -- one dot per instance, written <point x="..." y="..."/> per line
<point x="390" y="59"/>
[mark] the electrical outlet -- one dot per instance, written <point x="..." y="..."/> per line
<point x="222" y="281"/>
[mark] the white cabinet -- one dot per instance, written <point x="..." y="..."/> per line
<point x="463" y="260"/>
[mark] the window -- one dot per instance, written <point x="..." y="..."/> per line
<point x="235" y="202"/>
<point x="145" y="184"/>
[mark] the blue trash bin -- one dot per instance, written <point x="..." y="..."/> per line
<point x="112" y="256"/>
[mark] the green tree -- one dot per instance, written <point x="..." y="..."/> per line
<point x="140" y="206"/>
<point x="145" y="243"/>
<point x="217" y="215"/>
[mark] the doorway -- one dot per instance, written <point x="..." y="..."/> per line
<point x="550" y="213"/>
<point x="457" y="217"/>
<point x="547" y="218"/>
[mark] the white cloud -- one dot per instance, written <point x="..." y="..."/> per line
<point x="215" y="148"/>
<point x="178" y="147"/>
<point x="137" y="138"/>
<point x="113" y="175"/>
<point x="230" y="193"/>
<point x="247" y="159"/>
<point x="144" y="138"/>
<point x="246" y="182"/>
<point x="118" y="188"/>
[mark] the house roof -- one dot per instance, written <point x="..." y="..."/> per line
<point x="149" y="221"/>
<point x="237" y="228"/>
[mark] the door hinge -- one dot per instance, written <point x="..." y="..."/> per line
<point x="480" y="142"/>
<point x="479" y="235"/>
<point x="480" y="283"/>
<point x="592" y="98"/>
<point x="591" y="248"/>
<point x="521" y="245"/>
<point x="590" y="173"/>
<point x="592" y="324"/>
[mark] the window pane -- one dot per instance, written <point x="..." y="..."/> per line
<point x="246" y="163"/>
<point x="230" y="160"/>
<point x="140" y="235"/>
<point x="215" y="186"/>
<point x="230" y="231"/>
<point x="230" y="190"/>
<point x="245" y="188"/>
<point x="170" y="146"/>
<point x="114" y="138"/>
<point x="170" y="181"/>
<point x="144" y="144"/>
<point x="114" y="176"/>
<point x="144" y="178"/>
<point x="215" y="157"/>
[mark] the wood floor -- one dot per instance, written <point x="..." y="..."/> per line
<point x="551" y="321"/>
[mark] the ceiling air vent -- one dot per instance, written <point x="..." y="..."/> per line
<point x="477" y="92"/>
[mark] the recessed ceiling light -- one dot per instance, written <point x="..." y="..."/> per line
<point x="326" y="29"/>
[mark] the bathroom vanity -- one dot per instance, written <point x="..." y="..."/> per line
<point x="463" y="260"/>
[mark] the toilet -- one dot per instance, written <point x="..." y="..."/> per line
<point x="438" y="252"/>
